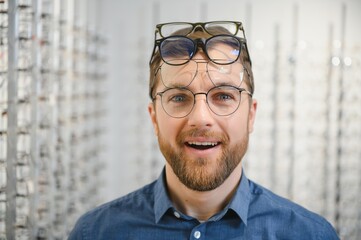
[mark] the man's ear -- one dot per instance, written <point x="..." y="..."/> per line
<point x="153" y="117"/>
<point x="252" y="115"/>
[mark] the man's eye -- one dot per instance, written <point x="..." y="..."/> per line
<point x="178" y="98"/>
<point x="222" y="96"/>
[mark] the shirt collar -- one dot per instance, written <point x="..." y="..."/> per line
<point x="161" y="200"/>
<point x="241" y="200"/>
<point x="239" y="203"/>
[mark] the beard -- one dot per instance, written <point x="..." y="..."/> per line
<point x="198" y="174"/>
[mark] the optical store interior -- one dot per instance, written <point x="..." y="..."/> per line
<point x="75" y="131"/>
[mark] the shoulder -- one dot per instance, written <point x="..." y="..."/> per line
<point x="108" y="217"/>
<point x="265" y="199"/>
<point x="287" y="215"/>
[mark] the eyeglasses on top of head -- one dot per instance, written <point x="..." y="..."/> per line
<point x="222" y="100"/>
<point x="220" y="49"/>
<point x="213" y="28"/>
<point x="175" y="48"/>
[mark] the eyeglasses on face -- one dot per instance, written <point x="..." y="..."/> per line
<point x="222" y="100"/>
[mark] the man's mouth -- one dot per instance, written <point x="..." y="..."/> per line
<point x="202" y="145"/>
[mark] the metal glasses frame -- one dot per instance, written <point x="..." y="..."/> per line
<point x="201" y="93"/>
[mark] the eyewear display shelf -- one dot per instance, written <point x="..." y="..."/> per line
<point x="51" y="117"/>
<point x="306" y="144"/>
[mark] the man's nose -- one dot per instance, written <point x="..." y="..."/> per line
<point x="201" y="114"/>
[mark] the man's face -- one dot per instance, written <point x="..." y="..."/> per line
<point x="203" y="148"/>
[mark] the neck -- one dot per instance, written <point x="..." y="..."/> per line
<point x="201" y="205"/>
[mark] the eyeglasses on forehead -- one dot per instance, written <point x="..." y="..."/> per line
<point x="183" y="75"/>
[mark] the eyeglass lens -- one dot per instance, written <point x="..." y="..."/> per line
<point x="222" y="100"/>
<point x="220" y="49"/>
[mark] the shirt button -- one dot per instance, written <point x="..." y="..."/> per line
<point x="176" y="214"/>
<point x="197" y="234"/>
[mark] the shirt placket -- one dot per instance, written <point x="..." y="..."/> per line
<point x="198" y="232"/>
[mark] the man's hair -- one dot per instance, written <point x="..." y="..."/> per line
<point x="244" y="59"/>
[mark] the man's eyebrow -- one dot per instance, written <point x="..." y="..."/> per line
<point x="176" y="85"/>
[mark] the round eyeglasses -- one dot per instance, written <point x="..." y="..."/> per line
<point x="222" y="100"/>
<point x="220" y="49"/>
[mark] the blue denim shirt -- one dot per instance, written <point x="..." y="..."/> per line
<point x="253" y="213"/>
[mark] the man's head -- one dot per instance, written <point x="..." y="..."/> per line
<point x="202" y="109"/>
<point x="200" y="31"/>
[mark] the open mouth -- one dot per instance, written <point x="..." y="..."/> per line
<point x="202" y="145"/>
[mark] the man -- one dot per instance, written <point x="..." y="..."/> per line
<point x="202" y="110"/>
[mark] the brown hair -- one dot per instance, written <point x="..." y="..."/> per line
<point x="244" y="59"/>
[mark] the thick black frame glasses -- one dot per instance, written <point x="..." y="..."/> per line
<point x="178" y="50"/>
<point x="233" y="28"/>
<point x="222" y="100"/>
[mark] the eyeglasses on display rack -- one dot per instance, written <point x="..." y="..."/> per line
<point x="224" y="45"/>
<point x="222" y="100"/>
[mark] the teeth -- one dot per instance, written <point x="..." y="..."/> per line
<point x="203" y="143"/>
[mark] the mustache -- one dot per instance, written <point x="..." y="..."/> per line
<point x="202" y="133"/>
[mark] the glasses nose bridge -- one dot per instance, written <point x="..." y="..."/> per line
<point x="200" y="93"/>
<point x="198" y="27"/>
<point x="200" y="44"/>
<point x="194" y="100"/>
